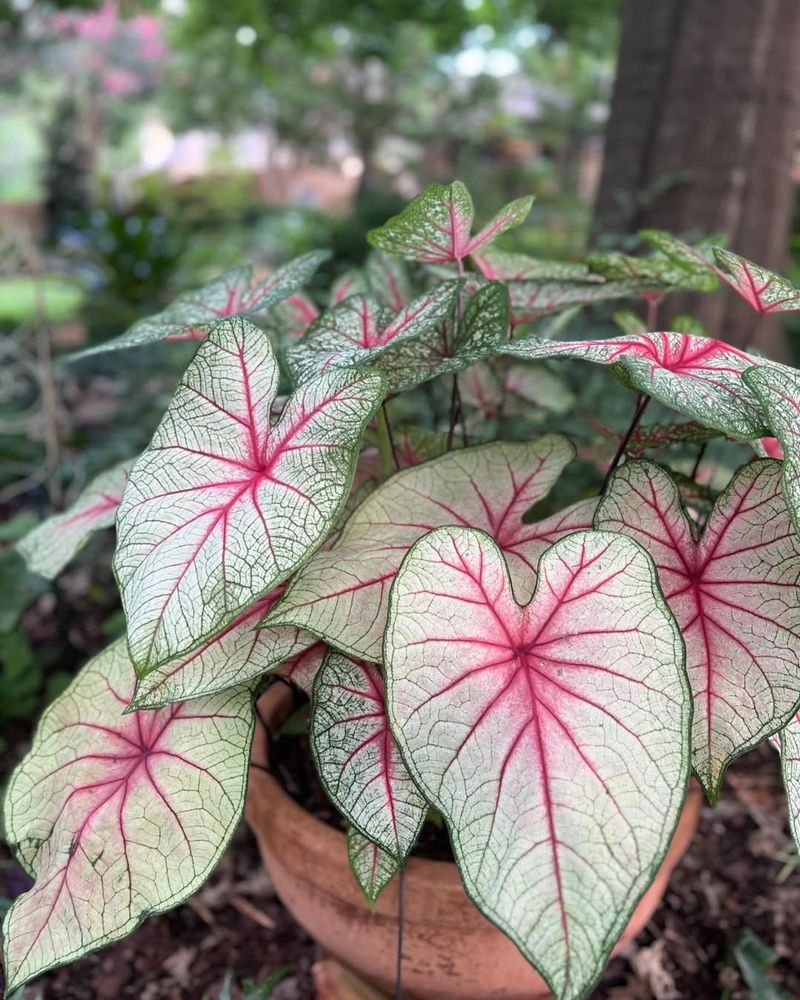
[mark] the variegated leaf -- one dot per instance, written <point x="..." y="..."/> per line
<point x="292" y="317"/>
<point x="656" y="436"/>
<point x="498" y="389"/>
<point x="778" y="390"/>
<point x="350" y="283"/>
<point x="509" y="217"/>
<point x="499" y="265"/>
<point x="789" y="745"/>
<point x="530" y="300"/>
<point x="361" y="333"/>
<point x="357" y="758"/>
<point x="692" y="264"/>
<point x="52" y="544"/>
<point x="241" y="652"/>
<point x="696" y="376"/>
<point x="118" y="816"/>
<point x="342" y="594"/>
<point x="223" y="505"/>
<point x="445" y="350"/>
<point x="764" y="290"/>
<point x="372" y="867"/>
<point x="302" y="668"/>
<point x="675" y="266"/>
<point x="536" y="384"/>
<point x="552" y="737"/>
<point x="435" y="226"/>
<point x="388" y="281"/>
<point x="735" y="594"/>
<point x="234" y="294"/>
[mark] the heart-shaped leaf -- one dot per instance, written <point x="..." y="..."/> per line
<point x="342" y="594"/>
<point x="778" y="390"/>
<point x="357" y="757"/>
<point x="52" y="544"/>
<point x="764" y="290"/>
<point x="118" y="816"/>
<point x="553" y="737"/>
<point x="694" y="375"/>
<point x="435" y="226"/>
<point x="446" y="349"/>
<point x="361" y="332"/>
<point x="233" y="294"/>
<point x="241" y="652"/>
<point x="372" y="867"/>
<point x="223" y="505"/>
<point x="735" y="597"/>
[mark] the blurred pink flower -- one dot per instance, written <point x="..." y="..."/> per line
<point x="119" y="82"/>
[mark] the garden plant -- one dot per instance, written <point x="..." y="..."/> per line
<point x="372" y="499"/>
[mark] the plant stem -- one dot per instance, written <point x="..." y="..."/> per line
<point x="385" y="445"/>
<point x="641" y="405"/>
<point x="456" y="409"/>
<point x="401" y="916"/>
<point x="455" y="398"/>
<point x="699" y="459"/>
<point x="652" y="313"/>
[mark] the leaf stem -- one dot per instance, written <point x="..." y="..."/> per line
<point x="699" y="459"/>
<point x="652" y="312"/>
<point x="456" y="409"/>
<point x="641" y="405"/>
<point x="385" y="443"/>
<point x="401" y="916"/>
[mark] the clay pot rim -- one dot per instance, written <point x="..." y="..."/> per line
<point x="276" y="704"/>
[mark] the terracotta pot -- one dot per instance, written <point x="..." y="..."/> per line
<point x="450" y="952"/>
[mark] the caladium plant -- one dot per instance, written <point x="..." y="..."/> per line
<point x="365" y="494"/>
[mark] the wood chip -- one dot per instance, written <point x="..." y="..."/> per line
<point x="248" y="910"/>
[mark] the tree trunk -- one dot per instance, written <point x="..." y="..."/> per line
<point x="701" y="139"/>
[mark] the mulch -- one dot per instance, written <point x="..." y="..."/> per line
<point x="732" y="880"/>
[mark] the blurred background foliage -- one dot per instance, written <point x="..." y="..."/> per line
<point x="146" y="146"/>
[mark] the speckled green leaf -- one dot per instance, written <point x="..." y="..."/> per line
<point x="357" y="758"/>
<point x="500" y="265"/>
<point x="388" y="281"/>
<point x="764" y="290"/>
<point x="361" y="333"/>
<point x="778" y="390"/>
<point x="436" y="226"/>
<point x="234" y="294"/>
<point x="372" y="867"/>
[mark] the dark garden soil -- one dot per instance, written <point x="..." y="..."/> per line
<point x="733" y="880"/>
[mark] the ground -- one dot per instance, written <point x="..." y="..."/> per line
<point x="733" y="879"/>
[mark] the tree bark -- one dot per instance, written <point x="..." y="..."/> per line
<point x="702" y="135"/>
